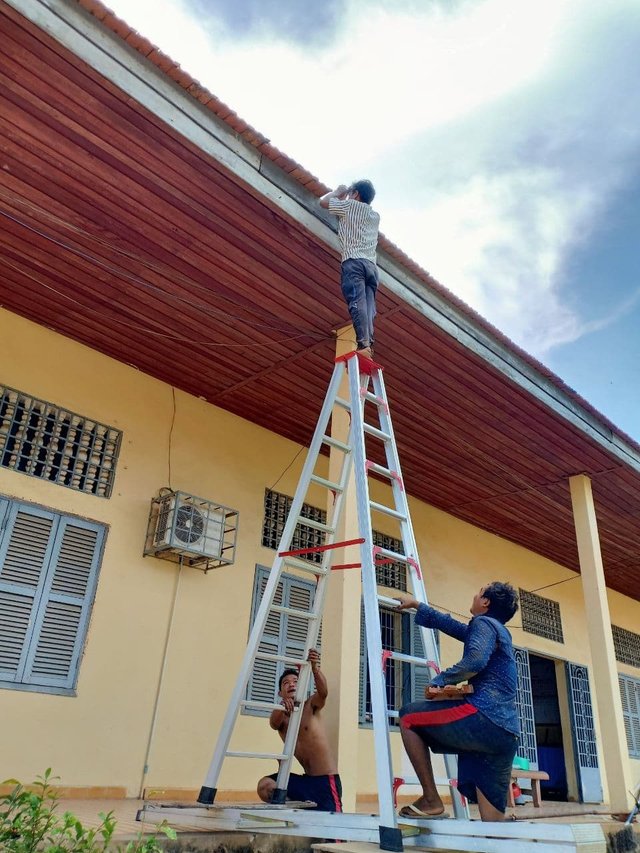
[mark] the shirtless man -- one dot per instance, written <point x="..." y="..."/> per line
<point x="320" y="782"/>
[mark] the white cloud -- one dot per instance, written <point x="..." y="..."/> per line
<point x="496" y="132"/>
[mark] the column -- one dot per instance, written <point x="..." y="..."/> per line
<point x="605" y="676"/>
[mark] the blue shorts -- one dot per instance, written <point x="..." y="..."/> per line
<point x="324" y="791"/>
<point x="485" y="751"/>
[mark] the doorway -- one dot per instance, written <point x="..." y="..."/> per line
<point x="548" y="727"/>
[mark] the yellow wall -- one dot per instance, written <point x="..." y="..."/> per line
<point x="99" y="737"/>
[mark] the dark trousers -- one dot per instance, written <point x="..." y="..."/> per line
<point x="359" y="284"/>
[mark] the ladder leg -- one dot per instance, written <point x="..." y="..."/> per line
<point x="414" y="575"/>
<point x="389" y="831"/>
<point x="209" y="788"/>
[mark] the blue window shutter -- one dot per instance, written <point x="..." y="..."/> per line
<point x="283" y="634"/>
<point x="62" y="619"/>
<point x="364" y="713"/>
<point x="262" y="682"/>
<point x="420" y="675"/>
<point x="630" y="695"/>
<point x="26" y="545"/>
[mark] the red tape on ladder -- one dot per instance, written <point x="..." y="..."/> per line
<point x="318" y="548"/>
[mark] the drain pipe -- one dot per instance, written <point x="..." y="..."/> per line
<point x="154" y="717"/>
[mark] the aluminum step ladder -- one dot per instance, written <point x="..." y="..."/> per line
<point x="367" y="437"/>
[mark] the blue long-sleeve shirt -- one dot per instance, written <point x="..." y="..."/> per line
<point x="488" y="663"/>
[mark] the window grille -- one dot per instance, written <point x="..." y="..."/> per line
<point x="630" y="695"/>
<point x="390" y="574"/>
<point x="48" y="574"/>
<point x="276" y="510"/>
<point x="284" y="634"/>
<point x="45" y="441"/>
<point x="540" y="616"/>
<point x="626" y="645"/>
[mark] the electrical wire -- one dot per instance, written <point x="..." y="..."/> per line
<point x="173" y="420"/>
<point x="171" y="274"/>
<point x="147" y="331"/>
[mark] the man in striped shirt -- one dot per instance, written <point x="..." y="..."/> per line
<point x="358" y="235"/>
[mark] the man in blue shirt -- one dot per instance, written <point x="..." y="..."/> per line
<point x="482" y="728"/>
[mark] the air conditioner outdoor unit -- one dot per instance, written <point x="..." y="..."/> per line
<point x="200" y="532"/>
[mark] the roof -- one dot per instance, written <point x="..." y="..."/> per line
<point x="155" y="225"/>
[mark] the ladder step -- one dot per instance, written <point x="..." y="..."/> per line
<point x="344" y="404"/>
<point x="278" y="756"/>
<point x="392" y="602"/>
<point x="334" y="442"/>
<point x="334" y="487"/>
<point x="400" y="656"/>
<point x="260" y="706"/>
<point x="291" y="611"/>
<point x="317" y="525"/>
<point x="372" y="398"/>
<point x="392" y="555"/>
<point x="380" y="469"/>
<point x="377" y="433"/>
<point x="387" y="510"/>
<point x="304" y="565"/>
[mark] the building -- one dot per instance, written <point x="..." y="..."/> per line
<point x="169" y="297"/>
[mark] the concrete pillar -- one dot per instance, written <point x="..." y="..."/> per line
<point x="605" y="676"/>
<point x="341" y="623"/>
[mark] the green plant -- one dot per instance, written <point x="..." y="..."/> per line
<point x="30" y="823"/>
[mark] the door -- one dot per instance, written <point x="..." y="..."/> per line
<point x="527" y="747"/>
<point x="584" y="735"/>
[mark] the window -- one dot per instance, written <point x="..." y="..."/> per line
<point x="283" y="635"/>
<point x="45" y="441"/>
<point x="276" y="510"/>
<point x="630" y="695"/>
<point x="540" y="616"/>
<point x="390" y="574"/>
<point x="404" y="682"/>
<point x="48" y="574"/>
<point x="626" y="645"/>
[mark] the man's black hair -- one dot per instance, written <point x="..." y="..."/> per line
<point x="503" y="601"/>
<point x="284" y="675"/>
<point x="365" y="190"/>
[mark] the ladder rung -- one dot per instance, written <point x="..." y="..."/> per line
<point x="387" y="510"/>
<point x="304" y="565"/>
<point x="345" y="404"/>
<point x="261" y="706"/>
<point x="278" y="756"/>
<point x="392" y="602"/>
<point x="334" y="442"/>
<point x="400" y="656"/>
<point x="334" y="487"/>
<point x="377" y="433"/>
<point x="291" y="611"/>
<point x="392" y="555"/>
<point x="380" y="469"/>
<point x="372" y="398"/>
<point x="317" y="525"/>
<point x="282" y="658"/>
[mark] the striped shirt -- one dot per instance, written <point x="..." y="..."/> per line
<point x="357" y="228"/>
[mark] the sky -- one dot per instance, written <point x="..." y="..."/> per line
<point x="503" y="139"/>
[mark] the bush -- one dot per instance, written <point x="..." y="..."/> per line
<point x="30" y="822"/>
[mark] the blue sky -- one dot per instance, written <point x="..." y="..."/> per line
<point x="503" y="139"/>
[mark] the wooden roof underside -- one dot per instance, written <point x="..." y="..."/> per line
<point x="118" y="232"/>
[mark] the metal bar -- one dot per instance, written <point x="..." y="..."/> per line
<point x="334" y="442"/>
<point x="333" y="487"/>
<point x="319" y="548"/>
<point x="387" y="510"/>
